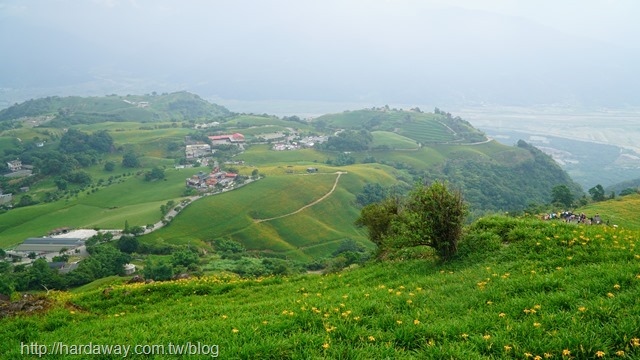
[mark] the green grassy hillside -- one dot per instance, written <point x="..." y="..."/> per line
<point x="520" y="289"/>
<point x="622" y="211"/>
<point x="392" y="140"/>
<point x="425" y="128"/>
<point x="129" y="199"/>
<point x="407" y="147"/>
<point x="307" y="219"/>
<point x="144" y="108"/>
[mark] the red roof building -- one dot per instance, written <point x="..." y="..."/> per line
<point x="233" y="138"/>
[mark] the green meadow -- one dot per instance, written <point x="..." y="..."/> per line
<point x="519" y="289"/>
<point x="130" y="198"/>
<point x="264" y="215"/>
<point x="622" y="211"/>
<point x="392" y="140"/>
<point x="249" y="121"/>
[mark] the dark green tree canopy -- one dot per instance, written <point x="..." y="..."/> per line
<point x="597" y="193"/>
<point x="130" y="160"/>
<point x="429" y="216"/>
<point x="349" y="140"/>
<point x="561" y="194"/>
<point x="76" y="141"/>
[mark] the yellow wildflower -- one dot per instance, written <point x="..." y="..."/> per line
<point x="620" y="353"/>
<point x="234" y="330"/>
<point x="325" y="345"/>
<point x="610" y="295"/>
<point x="616" y="286"/>
<point x="599" y="353"/>
<point x="416" y="322"/>
<point x="535" y="324"/>
<point x="548" y="355"/>
<point x="371" y="338"/>
<point x="486" y="337"/>
<point x="566" y="352"/>
<point x="409" y="301"/>
<point x="582" y="309"/>
<point x="635" y="342"/>
<point x="399" y="322"/>
<point x="502" y="314"/>
<point x="507" y="348"/>
<point x="465" y="336"/>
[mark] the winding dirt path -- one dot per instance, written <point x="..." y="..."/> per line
<point x="335" y="184"/>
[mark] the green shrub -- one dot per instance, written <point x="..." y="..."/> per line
<point x="429" y="216"/>
<point x="479" y="243"/>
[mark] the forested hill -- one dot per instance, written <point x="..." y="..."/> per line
<point x="438" y="127"/>
<point x="433" y="146"/>
<point x="66" y="111"/>
<point x="509" y="180"/>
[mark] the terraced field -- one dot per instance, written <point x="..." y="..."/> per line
<point x="427" y="132"/>
<point x="393" y="141"/>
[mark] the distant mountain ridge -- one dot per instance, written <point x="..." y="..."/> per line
<point x="178" y="106"/>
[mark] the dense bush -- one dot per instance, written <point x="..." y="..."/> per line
<point x="429" y="216"/>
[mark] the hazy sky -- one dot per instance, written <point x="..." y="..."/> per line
<point x="425" y="51"/>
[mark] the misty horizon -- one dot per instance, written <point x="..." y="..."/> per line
<point x="455" y="53"/>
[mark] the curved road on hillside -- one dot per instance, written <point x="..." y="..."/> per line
<point x="335" y="184"/>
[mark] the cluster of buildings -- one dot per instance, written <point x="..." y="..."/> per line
<point x="58" y="242"/>
<point x="198" y="149"/>
<point x="306" y="142"/>
<point x="204" y="181"/>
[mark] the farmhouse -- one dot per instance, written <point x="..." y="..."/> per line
<point x="205" y="181"/>
<point x="233" y="139"/>
<point x="15" y="165"/>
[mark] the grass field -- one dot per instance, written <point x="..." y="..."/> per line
<point x="132" y="199"/>
<point x="392" y="140"/>
<point x="244" y="121"/>
<point x="234" y="214"/>
<point x="427" y="132"/>
<point x="556" y="291"/>
<point x="622" y="211"/>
